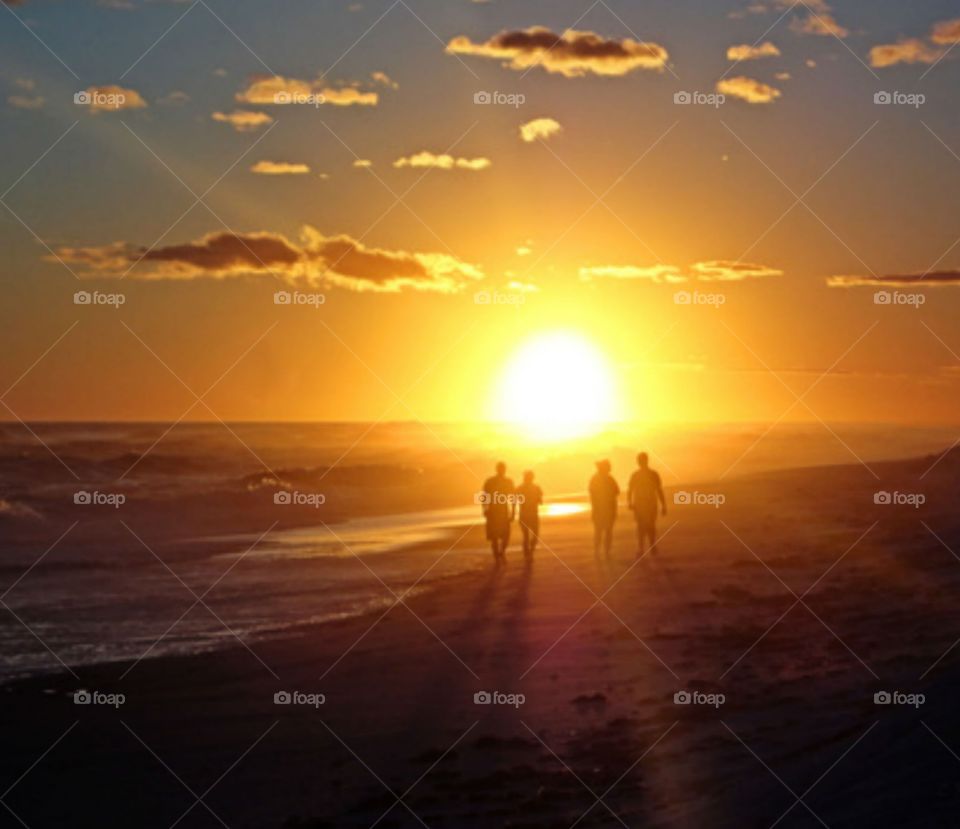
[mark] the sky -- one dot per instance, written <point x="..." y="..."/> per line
<point x="325" y="210"/>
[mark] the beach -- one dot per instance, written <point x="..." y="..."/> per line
<point x="728" y="679"/>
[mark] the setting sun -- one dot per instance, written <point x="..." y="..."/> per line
<point x="557" y="386"/>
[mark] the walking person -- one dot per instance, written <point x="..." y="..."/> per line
<point x="604" y="492"/>
<point x="643" y="494"/>
<point x="530" y="497"/>
<point x="498" y="501"/>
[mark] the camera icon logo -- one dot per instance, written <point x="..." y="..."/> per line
<point x="882" y="498"/>
<point x="482" y="298"/>
<point x="682" y="698"/>
<point x="882" y="698"/>
<point x="882" y="98"/>
<point x="482" y="97"/>
<point x="82" y="698"/>
<point x="282" y="698"/>
<point x="282" y="497"/>
<point x="82" y="497"/>
<point x="482" y="498"/>
<point x="682" y="498"/>
<point x="682" y="98"/>
<point x="683" y="298"/>
<point x="482" y="698"/>
<point x="282" y="298"/>
<point x="82" y="298"/>
<point x="282" y="98"/>
<point x="82" y="98"/>
<point x="882" y="298"/>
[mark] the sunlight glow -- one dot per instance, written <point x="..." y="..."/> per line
<point x="557" y="386"/>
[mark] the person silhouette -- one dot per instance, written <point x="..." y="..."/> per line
<point x="644" y="492"/>
<point x="530" y="497"/>
<point x="604" y="493"/>
<point x="499" y="508"/>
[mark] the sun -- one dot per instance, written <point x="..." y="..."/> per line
<point x="557" y="386"/>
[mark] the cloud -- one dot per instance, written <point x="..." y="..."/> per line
<point x="243" y="120"/>
<point x="27" y="101"/>
<point x="362" y="163"/>
<point x="722" y="270"/>
<point x="907" y="50"/>
<point x="442" y="162"/>
<point x="110" y="98"/>
<point x="539" y="128"/>
<point x="349" y="96"/>
<point x="932" y="279"/>
<point x="522" y="287"/>
<point x="750" y="90"/>
<point x="384" y="79"/>
<point x="714" y="270"/>
<point x="279" y="168"/>
<point x="174" y="98"/>
<point x="753" y="8"/>
<point x="824" y="25"/>
<point x="946" y="32"/>
<point x="745" y="52"/>
<point x="655" y="273"/>
<point x="276" y="90"/>
<point x="572" y="54"/>
<point x="818" y="6"/>
<point x="336" y="260"/>
<point x="818" y="20"/>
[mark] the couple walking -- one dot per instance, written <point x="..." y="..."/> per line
<point x="643" y="494"/>
<point x="500" y="500"/>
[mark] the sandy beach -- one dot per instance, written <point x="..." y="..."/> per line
<point x="781" y="613"/>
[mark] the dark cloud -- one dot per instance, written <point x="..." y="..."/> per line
<point x="339" y="260"/>
<point x="223" y="253"/>
<point x="572" y="54"/>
